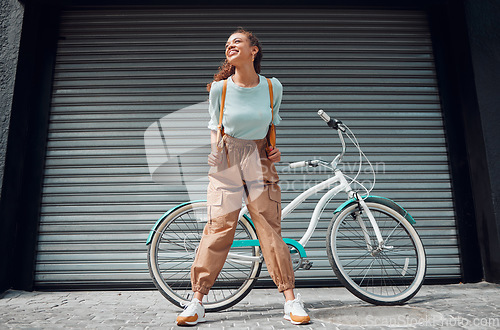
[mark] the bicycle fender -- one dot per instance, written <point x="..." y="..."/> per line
<point x="382" y="200"/>
<point x="153" y="230"/>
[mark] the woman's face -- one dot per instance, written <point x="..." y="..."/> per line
<point x="239" y="50"/>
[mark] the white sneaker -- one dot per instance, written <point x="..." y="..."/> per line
<point x="193" y="313"/>
<point x="295" y="312"/>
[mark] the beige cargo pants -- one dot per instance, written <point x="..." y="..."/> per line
<point x="245" y="172"/>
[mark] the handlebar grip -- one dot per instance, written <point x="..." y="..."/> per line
<point x="298" y="164"/>
<point x="323" y="115"/>
<point x="333" y="123"/>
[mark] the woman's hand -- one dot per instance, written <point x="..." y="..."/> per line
<point x="273" y="154"/>
<point x="214" y="158"/>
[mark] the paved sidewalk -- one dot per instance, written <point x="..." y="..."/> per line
<point x="457" y="306"/>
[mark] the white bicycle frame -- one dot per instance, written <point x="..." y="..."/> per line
<point x="341" y="184"/>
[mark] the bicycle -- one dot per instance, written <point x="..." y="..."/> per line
<point x="372" y="246"/>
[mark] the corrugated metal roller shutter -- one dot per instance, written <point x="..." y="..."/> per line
<point x="120" y="70"/>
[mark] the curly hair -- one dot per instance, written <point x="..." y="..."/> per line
<point x="226" y="69"/>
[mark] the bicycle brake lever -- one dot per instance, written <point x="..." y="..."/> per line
<point x="313" y="163"/>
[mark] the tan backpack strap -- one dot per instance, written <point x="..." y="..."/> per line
<point x="222" y="102"/>
<point x="272" y="98"/>
<point x="271" y="134"/>
<point x="220" y="130"/>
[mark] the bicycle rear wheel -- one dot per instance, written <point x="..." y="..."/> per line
<point x="389" y="276"/>
<point x="172" y="251"/>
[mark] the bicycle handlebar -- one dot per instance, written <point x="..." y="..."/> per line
<point x="312" y="163"/>
<point x="341" y="130"/>
<point x="298" y="164"/>
<point x="333" y="123"/>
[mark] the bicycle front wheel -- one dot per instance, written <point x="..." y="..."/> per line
<point x="387" y="275"/>
<point x="172" y="251"/>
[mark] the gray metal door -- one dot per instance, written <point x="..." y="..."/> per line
<point x="123" y="74"/>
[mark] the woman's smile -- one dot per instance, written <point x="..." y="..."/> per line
<point x="232" y="52"/>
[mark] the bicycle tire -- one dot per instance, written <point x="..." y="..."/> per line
<point x="172" y="251"/>
<point x="391" y="276"/>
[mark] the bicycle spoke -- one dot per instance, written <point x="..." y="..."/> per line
<point x="182" y="277"/>
<point x="172" y="266"/>
<point x="396" y="267"/>
<point x="359" y="260"/>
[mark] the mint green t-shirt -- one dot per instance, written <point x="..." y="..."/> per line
<point x="247" y="111"/>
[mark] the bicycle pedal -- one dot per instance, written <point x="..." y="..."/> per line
<point x="306" y="264"/>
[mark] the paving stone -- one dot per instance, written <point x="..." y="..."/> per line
<point x="457" y="306"/>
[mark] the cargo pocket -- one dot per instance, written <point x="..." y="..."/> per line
<point x="214" y="197"/>
<point x="274" y="192"/>
<point x="275" y="196"/>
<point x="216" y="219"/>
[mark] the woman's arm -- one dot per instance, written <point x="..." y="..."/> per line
<point x="214" y="157"/>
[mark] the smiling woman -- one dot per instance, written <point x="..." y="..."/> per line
<point x="242" y="167"/>
<point x="234" y="44"/>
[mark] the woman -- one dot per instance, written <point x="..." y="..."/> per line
<point x="242" y="167"/>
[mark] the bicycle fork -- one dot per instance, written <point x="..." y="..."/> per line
<point x="381" y="243"/>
